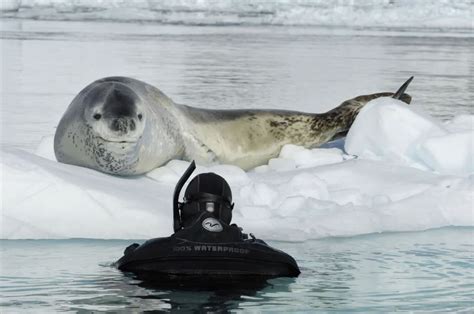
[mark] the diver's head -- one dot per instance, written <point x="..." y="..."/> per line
<point x="207" y="192"/>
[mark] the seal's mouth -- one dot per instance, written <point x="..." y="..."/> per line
<point x="119" y="141"/>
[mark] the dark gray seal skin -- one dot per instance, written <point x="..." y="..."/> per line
<point x="123" y="126"/>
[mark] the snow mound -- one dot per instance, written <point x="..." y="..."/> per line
<point x="295" y="157"/>
<point x="303" y="194"/>
<point x="46" y="148"/>
<point x="387" y="129"/>
<point x="45" y="199"/>
<point x="171" y="173"/>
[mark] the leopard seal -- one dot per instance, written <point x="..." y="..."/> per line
<point x="123" y="126"/>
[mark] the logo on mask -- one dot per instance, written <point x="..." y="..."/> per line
<point x="212" y="225"/>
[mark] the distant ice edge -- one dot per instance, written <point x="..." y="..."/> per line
<point x="368" y="13"/>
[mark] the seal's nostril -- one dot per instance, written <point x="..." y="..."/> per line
<point x="119" y="125"/>
<point x="123" y="125"/>
<point x="115" y="125"/>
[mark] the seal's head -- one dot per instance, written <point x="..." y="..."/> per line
<point x="115" y="120"/>
<point x="118" y="125"/>
<point x="114" y="113"/>
<point x="103" y="129"/>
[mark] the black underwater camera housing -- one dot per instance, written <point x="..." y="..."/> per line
<point x="205" y="243"/>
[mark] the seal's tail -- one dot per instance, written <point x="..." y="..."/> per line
<point x="348" y="110"/>
<point x="399" y="94"/>
<point x="401" y="91"/>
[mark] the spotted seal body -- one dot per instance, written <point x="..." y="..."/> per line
<point x="123" y="126"/>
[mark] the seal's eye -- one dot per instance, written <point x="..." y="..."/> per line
<point x="97" y="116"/>
<point x="140" y="116"/>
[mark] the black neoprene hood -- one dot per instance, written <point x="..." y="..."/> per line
<point x="208" y="188"/>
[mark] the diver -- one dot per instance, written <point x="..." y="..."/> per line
<point x="207" y="199"/>
<point x="205" y="243"/>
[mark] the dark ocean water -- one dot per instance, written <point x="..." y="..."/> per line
<point x="429" y="271"/>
